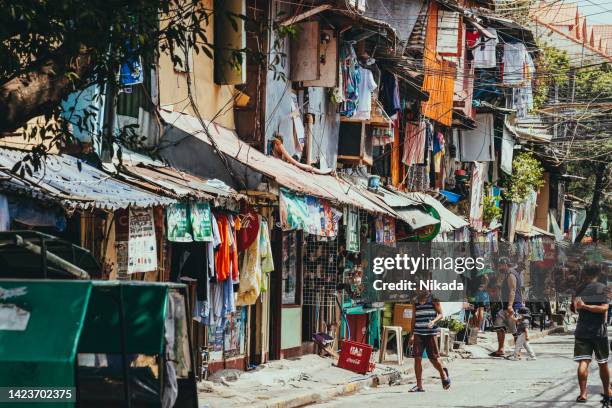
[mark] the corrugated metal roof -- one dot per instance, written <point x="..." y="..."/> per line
<point x="165" y="180"/>
<point x="285" y="174"/>
<point x="530" y="128"/>
<point x="73" y="184"/>
<point x="535" y="232"/>
<point x="449" y="220"/>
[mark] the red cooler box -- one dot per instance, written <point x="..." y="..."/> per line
<point x="355" y="356"/>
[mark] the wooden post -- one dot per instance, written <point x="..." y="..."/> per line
<point x="308" y="144"/>
<point x="395" y="156"/>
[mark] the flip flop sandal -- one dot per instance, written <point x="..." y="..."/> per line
<point x="416" y="389"/>
<point x="446" y="383"/>
<point x="496" y="354"/>
<point x="581" y="400"/>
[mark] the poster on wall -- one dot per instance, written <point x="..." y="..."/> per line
<point x="121" y="249"/>
<point x="142" y="245"/>
<point x="177" y="221"/>
<point x="352" y="230"/>
<point x="385" y="230"/>
<point x="201" y="222"/>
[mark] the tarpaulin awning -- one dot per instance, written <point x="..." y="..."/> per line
<point x="73" y="184"/>
<point x="285" y="174"/>
<point x="40" y="331"/>
<point x="449" y="220"/>
<point x="407" y="209"/>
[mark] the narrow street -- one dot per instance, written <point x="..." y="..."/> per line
<point x="548" y="382"/>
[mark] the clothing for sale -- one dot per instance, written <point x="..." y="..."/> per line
<point x="190" y="259"/>
<point x="229" y="305"/>
<point x="366" y="86"/>
<point x="389" y="93"/>
<point x="222" y="257"/>
<point x="216" y="304"/>
<point x="212" y="245"/>
<point x="414" y="143"/>
<point x="484" y="53"/>
<point x="257" y="262"/>
<point x="514" y="63"/>
<point x="233" y="226"/>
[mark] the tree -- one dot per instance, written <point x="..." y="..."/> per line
<point x="51" y="48"/>
<point x="581" y="107"/>
<point x="592" y="216"/>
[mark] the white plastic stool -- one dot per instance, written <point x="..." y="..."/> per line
<point x="397" y="330"/>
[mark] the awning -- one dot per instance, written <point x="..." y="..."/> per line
<point x="332" y="188"/>
<point x="535" y="232"/>
<point x="449" y="220"/>
<point x="73" y="184"/>
<point x="408" y="210"/>
<point x="165" y="180"/>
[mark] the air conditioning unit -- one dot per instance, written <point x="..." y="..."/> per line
<point x="360" y="5"/>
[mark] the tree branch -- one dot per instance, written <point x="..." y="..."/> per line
<point x="42" y="88"/>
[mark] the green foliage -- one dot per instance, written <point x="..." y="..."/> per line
<point x="490" y="209"/>
<point x="453" y="325"/>
<point x="594" y="83"/>
<point x="527" y="175"/>
<point x="552" y="67"/>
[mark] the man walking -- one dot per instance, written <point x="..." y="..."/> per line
<point x="511" y="300"/>
<point x="427" y="313"/>
<point x="591" y="335"/>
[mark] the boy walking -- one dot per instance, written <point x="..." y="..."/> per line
<point x="522" y="336"/>
<point x="427" y="312"/>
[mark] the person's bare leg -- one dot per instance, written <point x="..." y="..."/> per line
<point x="501" y="338"/>
<point x="583" y="372"/>
<point x="604" y="374"/>
<point x="479" y="316"/>
<point x="418" y="371"/>
<point x="438" y="366"/>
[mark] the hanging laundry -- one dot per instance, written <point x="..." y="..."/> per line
<point x="514" y="63"/>
<point x="477" y="144"/>
<point x="257" y="262"/>
<point x="438" y="151"/>
<point x="484" y="53"/>
<point x="367" y="85"/>
<point x="476" y="191"/>
<point x="389" y="93"/>
<point x="414" y="143"/>
<point x="350" y="80"/>
<point x="5" y="220"/>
